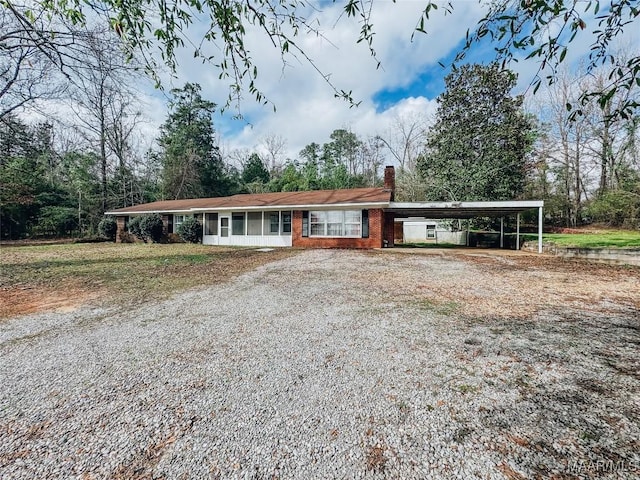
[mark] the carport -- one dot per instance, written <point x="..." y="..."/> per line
<point x="468" y="210"/>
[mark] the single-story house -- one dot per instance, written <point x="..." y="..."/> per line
<point x="347" y="218"/>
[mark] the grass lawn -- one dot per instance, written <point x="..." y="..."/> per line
<point x="34" y="275"/>
<point x="605" y="238"/>
<point x="611" y="238"/>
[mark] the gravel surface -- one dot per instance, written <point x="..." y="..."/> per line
<point x="313" y="367"/>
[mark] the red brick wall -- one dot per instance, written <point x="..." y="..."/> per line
<point x="389" y="229"/>
<point x="122" y="228"/>
<point x="390" y="180"/>
<point x="165" y="225"/>
<point x="376" y="224"/>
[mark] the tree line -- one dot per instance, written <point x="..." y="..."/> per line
<point x="483" y="144"/>
<point x="56" y="183"/>
<point x="576" y="147"/>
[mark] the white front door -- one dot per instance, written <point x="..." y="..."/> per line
<point x="223" y="231"/>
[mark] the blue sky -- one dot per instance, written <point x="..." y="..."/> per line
<point x="406" y="85"/>
<point x="404" y="88"/>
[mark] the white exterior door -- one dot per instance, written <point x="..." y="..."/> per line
<point x="223" y="231"/>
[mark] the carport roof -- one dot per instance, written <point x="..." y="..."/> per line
<point x="462" y="209"/>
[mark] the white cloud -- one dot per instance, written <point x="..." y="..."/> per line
<point x="306" y="108"/>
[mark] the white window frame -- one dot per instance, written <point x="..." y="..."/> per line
<point x="282" y="223"/>
<point x="177" y="223"/>
<point x="324" y="214"/>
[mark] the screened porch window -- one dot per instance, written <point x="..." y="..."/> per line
<point x="335" y="223"/>
<point x="211" y="224"/>
<point x="237" y="223"/>
<point x="254" y="223"/>
<point x="271" y="223"/>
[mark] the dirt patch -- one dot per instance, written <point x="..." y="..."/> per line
<point x="64" y="277"/>
<point x="21" y="301"/>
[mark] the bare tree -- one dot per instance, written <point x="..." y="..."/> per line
<point x="372" y="158"/>
<point x="27" y="71"/>
<point x="406" y="138"/>
<point x="274" y="146"/>
<point x="610" y="134"/>
<point x="102" y="102"/>
<point x="410" y="186"/>
<point x="565" y="146"/>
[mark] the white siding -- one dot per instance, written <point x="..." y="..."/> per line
<point x="416" y="232"/>
<point x="251" y="240"/>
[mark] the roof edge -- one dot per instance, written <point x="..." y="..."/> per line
<point x="323" y="206"/>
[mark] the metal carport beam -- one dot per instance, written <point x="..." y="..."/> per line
<point x="462" y="209"/>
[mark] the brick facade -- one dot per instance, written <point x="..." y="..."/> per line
<point x="389" y="229"/>
<point x="167" y="224"/>
<point x="121" y="222"/>
<point x="390" y="181"/>
<point x="375" y="240"/>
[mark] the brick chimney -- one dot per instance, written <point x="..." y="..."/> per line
<point x="390" y="180"/>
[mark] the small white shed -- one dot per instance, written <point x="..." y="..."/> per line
<point x="431" y="231"/>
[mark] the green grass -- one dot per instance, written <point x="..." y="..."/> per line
<point x="123" y="271"/>
<point x="615" y="239"/>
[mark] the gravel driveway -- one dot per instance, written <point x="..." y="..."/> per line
<point x="329" y="364"/>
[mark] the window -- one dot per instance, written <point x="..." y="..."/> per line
<point x="254" y="223"/>
<point x="177" y="221"/>
<point x="237" y="223"/>
<point x="211" y="224"/>
<point x="318" y="222"/>
<point x="271" y="224"/>
<point x="431" y="231"/>
<point x="286" y="223"/>
<point x="352" y="223"/>
<point x="365" y="223"/>
<point x="336" y="223"/>
<point x="305" y="223"/>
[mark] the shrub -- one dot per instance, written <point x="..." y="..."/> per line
<point x="126" y="237"/>
<point x="617" y="208"/>
<point x="174" y="238"/>
<point x="56" y="221"/>
<point x="134" y="227"/>
<point x="190" y="230"/>
<point x="108" y="228"/>
<point x="151" y="227"/>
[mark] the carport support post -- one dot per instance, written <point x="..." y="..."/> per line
<point x="501" y="232"/>
<point x="539" y="229"/>
<point x="468" y="229"/>
<point x="518" y="231"/>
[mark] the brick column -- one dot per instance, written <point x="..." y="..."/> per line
<point x="121" y="222"/>
<point x="165" y="224"/>
<point x="389" y="229"/>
